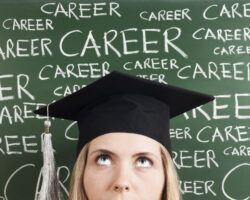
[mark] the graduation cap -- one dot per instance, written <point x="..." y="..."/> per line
<point x="120" y="102"/>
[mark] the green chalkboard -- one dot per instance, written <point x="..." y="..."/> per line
<point x="51" y="49"/>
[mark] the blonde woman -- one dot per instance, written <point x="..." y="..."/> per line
<point x="124" y="147"/>
<point x="121" y="175"/>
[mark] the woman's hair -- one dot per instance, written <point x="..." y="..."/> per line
<point x="171" y="189"/>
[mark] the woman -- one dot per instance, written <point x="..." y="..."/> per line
<point x="124" y="146"/>
<point x="103" y="176"/>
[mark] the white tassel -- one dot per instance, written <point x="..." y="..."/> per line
<point x="50" y="188"/>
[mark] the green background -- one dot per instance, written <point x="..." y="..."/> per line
<point x="19" y="172"/>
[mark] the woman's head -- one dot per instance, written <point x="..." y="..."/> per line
<point x="124" y="166"/>
<point x="120" y="101"/>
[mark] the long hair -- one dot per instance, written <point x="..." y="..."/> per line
<point x="171" y="189"/>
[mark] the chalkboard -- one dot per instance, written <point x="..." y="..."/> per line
<point x="50" y="49"/>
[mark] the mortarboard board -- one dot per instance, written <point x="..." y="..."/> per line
<point x="120" y="102"/>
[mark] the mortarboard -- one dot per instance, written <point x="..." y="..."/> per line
<point x="119" y="102"/>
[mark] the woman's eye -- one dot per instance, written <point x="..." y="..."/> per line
<point x="103" y="160"/>
<point x="144" y="162"/>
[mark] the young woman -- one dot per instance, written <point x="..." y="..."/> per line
<point x="124" y="146"/>
<point x="106" y="169"/>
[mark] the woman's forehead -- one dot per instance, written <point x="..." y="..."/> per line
<point x="123" y="141"/>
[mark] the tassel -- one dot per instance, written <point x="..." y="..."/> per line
<point x="50" y="188"/>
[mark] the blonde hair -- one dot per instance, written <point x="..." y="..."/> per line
<point x="171" y="189"/>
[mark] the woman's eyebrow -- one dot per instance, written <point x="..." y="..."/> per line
<point x="146" y="154"/>
<point x="105" y="151"/>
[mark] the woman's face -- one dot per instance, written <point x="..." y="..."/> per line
<point x="124" y="166"/>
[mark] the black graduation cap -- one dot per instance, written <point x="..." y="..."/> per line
<point x="120" y="102"/>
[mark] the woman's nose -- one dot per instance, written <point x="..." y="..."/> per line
<point x="121" y="188"/>
<point x="122" y="179"/>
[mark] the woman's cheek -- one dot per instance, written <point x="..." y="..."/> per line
<point x="95" y="174"/>
<point x="151" y="177"/>
<point x="95" y="182"/>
